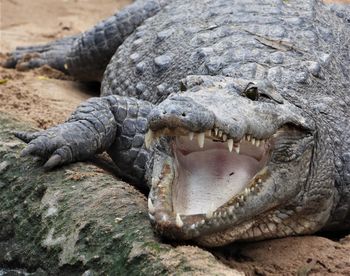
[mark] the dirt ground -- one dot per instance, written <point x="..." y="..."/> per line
<point x="45" y="97"/>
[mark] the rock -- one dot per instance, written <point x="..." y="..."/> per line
<point x="64" y="225"/>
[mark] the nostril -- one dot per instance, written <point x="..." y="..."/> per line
<point x="183" y="114"/>
<point x="164" y="112"/>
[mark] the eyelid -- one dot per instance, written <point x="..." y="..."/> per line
<point x="251" y="86"/>
<point x="263" y="90"/>
<point x="268" y="90"/>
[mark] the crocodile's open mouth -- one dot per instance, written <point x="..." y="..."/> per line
<point x="209" y="175"/>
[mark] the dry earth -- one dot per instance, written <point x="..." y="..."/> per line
<point x="45" y="97"/>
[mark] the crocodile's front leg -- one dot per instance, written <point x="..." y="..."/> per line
<point x="112" y="123"/>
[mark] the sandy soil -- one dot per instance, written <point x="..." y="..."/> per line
<point x="45" y="97"/>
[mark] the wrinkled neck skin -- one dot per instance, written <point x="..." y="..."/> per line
<point x="228" y="166"/>
<point x="328" y="185"/>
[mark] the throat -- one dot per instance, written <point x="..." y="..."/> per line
<point x="209" y="178"/>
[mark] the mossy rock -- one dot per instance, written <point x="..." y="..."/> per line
<point x="79" y="219"/>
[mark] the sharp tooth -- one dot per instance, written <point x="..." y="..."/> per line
<point x="257" y="143"/>
<point x="216" y="131"/>
<point x="149" y="138"/>
<point x="248" y="138"/>
<point x="201" y="137"/>
<point x="191" y="135"/>
<point x="220" y="133"/>
<point x="224" y="137"/>
<point x="164" y="217"/>
<point x="209" y="132"/>
<point x="151" y="208"/>
<point x="237" y="148"/>
<point x="209" y="214"/>
<point x="259" y="180"/>
<point x="230" y="144"/>
<point x="179" y="222"/>
<point x="246" y="191"/>
<point x="253" y="141"/>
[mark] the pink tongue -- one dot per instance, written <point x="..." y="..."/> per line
<point x="208" y="179"/>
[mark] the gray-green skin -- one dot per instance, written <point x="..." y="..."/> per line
<point x="243" y="67"/>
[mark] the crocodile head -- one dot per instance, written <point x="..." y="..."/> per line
<point x="230" y="161"/>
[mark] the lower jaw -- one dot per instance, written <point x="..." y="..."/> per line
<point x="221" y="238"/>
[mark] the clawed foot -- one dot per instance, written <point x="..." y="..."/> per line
<point x="52" y="54"/>
<point x="49" y="144"/>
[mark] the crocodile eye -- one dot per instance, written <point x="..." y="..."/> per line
<point x="251" y="92"/>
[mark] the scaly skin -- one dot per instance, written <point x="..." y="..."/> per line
<point x="228" y="74"/>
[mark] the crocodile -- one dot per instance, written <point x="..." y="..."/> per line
<point x="234" y="115"/>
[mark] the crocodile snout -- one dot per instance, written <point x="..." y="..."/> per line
<point x="181" y="112"/>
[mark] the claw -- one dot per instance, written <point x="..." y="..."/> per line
<point x="53" y="161"/>
<point x="9" y="63"/>
<point x="25" y="136"/>
<point x="32" y="63"/>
